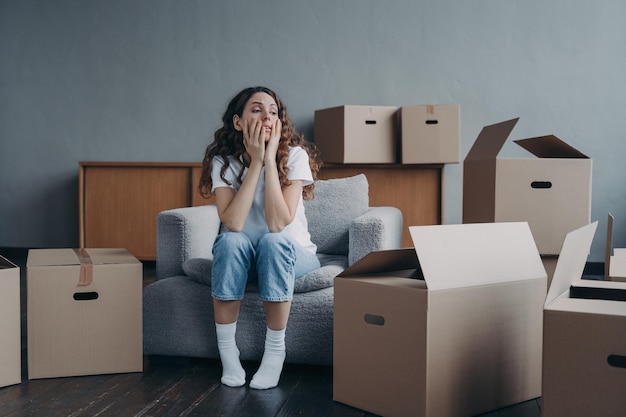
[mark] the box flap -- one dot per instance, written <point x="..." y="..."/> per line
<point x="5" y="263"/>
<point x="550" y="147"/>
<point x="609" y="246"/>
<point x="571" y="262"/>
<point x="490" y="140"/>
<point x="383" y="261"/>
<point x="462" y="255"/>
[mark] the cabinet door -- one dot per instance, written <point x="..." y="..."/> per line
<point x="120" y="204"/>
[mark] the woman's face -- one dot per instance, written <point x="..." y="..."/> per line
<point x="260" y="108"/>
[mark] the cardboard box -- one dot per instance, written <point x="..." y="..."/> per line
<point x="452" y="327"/>
<point x="551" y="192"/>
<point x="84" y="312"/>
<point x="615" y="258"/>
<point x="430" y="134"/>
<point x="584" y="360"/>
<point x="357" y="134"/>
<point x="10" y="334"/>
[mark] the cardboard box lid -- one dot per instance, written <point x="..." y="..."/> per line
<point x="571" y="262"/>
<point x="490" y="140"/>
<point x="64" y="257"/>
<point x="461" y="255"/>
<point x="550" y="147"/>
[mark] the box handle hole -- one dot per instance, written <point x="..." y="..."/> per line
<point x="374" y="319"/>
<point x="541" y="184"/>
<point x="618" y="361"/>
<point x="83" y="296"/>
<point x="370" y="122"/>
<point x="432" y="122"/>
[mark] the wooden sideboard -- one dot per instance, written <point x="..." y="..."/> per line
<point x="119" y="201"/>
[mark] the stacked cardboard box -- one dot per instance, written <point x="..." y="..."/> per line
<point x="10" y="335"/>
<point x="84" y="312"/>
<point x="451" y="327"/>
<point x="425" y="134"/>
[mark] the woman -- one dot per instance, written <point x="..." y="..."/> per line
<point x="260" y="170"/>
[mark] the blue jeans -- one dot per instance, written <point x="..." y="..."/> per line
<point x="275" y="261"/>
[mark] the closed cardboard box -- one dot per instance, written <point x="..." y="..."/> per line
<point x="584" y="360"/>
<point x="10" y="334"/>
<point x="451" y="327"/>
<point x="430" y="134"/>
<point x="551" y="192"/>
<point x="357" y="134"/>
<point x="84" y="312"/>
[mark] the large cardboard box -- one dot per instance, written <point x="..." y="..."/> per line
<point x="551" y="192"/>
<point x="584" y="360"/>
<point x="430" y="134"/>
<point x="357" y="134"/>
<point x="451" y="327"/>
<point x="84" y="312"/>
<point x="10" y="334"/>
<point x="615" y="258"/>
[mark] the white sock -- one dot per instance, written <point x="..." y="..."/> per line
<point x="272" y="363"/>
<point x="233" y="374"/>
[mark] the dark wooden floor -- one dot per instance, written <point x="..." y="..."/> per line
<point x="181" y="387"/>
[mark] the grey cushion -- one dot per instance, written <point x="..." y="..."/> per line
<point x="337" y="202"/>
<point x="199" y="270"/>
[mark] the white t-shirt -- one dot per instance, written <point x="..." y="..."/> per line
<point x="256" y="226"/>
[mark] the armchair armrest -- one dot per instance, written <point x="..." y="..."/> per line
<point x="377" y="229"/>
<point x="184" y="233"/>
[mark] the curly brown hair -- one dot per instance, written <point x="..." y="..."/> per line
<point x="229" y="142"/>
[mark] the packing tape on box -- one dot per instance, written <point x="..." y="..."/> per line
<point x="86" y="268"/>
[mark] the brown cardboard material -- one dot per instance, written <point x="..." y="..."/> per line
<point x="451" y="327"/>
<point x="584" y="369"/>
<point x="551" y="192"/>
<point x="615" y="258"/>
<point x="10" y="334"/>
<point x="80" y="328"/>
<point x="357" y="134"/>
<point x="430" y="134"/>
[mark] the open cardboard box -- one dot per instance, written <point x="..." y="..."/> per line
<point x="552" y="192"/>
<point x="10" y="334"/>
<point x="451" y="327"/>
<point x="615" y="258"/>
<point x="84" y="312"/>
<point x="584" y="359"/>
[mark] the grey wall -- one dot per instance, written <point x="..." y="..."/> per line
<point x="148" y="80"/>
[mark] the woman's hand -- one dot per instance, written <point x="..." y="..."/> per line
<point x="254" y="140"/>
<point x="272" y="144"/>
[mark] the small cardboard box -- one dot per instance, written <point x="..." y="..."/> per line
<point x="551" y="192"/>
<point x="84" y="312"/>
<point x="430" y="134"/>
<point x="584" y="359"/>
<point x="452" y="327"/>
<point x="10" y="334"/>
<point x="357" y="134"/>
<point x="615" y="258"/>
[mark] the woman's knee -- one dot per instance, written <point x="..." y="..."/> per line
<point x="275" y="243"/>
<point x="232" y="242"/>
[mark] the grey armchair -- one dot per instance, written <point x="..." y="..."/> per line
<point x="178" y="310"/>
